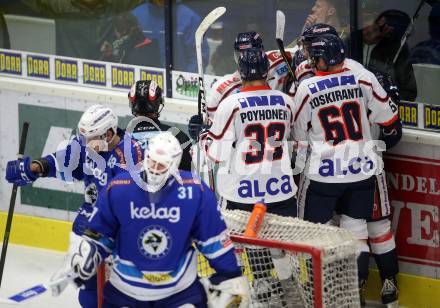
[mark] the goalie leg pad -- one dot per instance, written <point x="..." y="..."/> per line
<point x="380" y="236"/>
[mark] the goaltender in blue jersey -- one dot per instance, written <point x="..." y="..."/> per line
<point x="149" y="224"/>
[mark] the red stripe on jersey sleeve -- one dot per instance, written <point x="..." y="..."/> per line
<point x="229" y="91"/>
<point x="301" y="107"/>
<point x="381" y="99"/>
<point x="212" y="109"/>
<point x="276" y="63"/>
<point x="391" y="121"/>
<point x="220" y="136"/>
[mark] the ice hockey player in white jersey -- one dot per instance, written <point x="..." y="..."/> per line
<point x="249" y="138"/>
<point x="150" y="228"/>
<point x="231" y="83"/>
<point x="335" y="109"/>
<point x="381" y="239"/>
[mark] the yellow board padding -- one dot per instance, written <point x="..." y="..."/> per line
<point x="37" y="231"/>
<point x="415" y="291"/>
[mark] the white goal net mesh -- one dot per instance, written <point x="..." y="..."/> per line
<point x="283" y="275"/>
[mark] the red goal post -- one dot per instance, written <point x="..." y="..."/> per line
<point x="314" y="252"/>
<point x="295" y="263"/>
<point x="292" y="264"/>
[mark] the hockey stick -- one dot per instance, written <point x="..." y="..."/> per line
<point x="408" y="31"/>
<point x="23" y="138"/>
<point x="200" y="33"/>
<point x="37" y="290"/>
<point x="279" y="34"/>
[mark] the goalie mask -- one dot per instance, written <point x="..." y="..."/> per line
<point x="93" y="127"/>
<point x="162" y="159"/>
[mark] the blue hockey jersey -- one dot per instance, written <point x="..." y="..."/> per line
<point x="76" y="162"/>
<point x="152" y="235"/>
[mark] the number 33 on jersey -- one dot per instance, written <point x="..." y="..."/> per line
<point x="250" y="138"/>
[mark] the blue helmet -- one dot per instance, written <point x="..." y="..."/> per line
<point x="253" y="64"/>
<point x="246" y="40"/>
<point x="313" y="31"/>
<point x="329" y="47"/>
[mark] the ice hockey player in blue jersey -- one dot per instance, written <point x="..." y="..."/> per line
<point x="94" y="156"/>
<point x="150" y="230"/>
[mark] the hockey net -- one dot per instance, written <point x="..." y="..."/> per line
<point x="294" y="263"/>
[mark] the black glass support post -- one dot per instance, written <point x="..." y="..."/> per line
<point x="168" y="46"/>
<point x="355" y="32"/>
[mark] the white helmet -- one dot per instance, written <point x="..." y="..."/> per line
<point x="94" y="124"/>
<point x="162" y="159"/>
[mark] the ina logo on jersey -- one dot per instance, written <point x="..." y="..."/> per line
<point x="154" y="242"/>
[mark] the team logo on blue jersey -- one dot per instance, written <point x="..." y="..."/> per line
<point x="154" y="242"/>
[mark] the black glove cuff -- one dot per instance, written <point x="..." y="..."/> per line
<point x="44" y="166"/>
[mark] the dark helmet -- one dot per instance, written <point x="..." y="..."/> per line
<point x="253" y="64"/>
<point x="246" y="40"/>
<point x="329" y="47"/>
<point x="145" y="98"/>
<point x="313" y="31"/>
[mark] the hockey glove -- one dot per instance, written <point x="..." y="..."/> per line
<point x="234" y="290"/>
<point x="391" y="134"/>
<point x="66" y="268"/>
<point x="387" y="83"/>
<point x="19" y="172"/>
<point x="86" y="260"/>
<point x="195" y="126"/>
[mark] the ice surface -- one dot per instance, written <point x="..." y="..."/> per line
<point x="26" y="267"/>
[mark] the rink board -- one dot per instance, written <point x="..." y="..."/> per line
<point x="415" y="291"/>
<point x="54" y="109"/>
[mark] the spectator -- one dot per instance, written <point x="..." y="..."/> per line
<point x="429" y="51"/>
<point x="328" y="12"/>
<point x="129" y="45"/>
<point x="333" y="13"/>
<point x="150" y="16"/>
<point x="381" y="43"/>
<point x="81" y="25"/>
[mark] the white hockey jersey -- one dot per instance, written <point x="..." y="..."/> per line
<point x="334" y="112"/>
<point x="249" y="139"/>
<point x="231" y="83"/>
